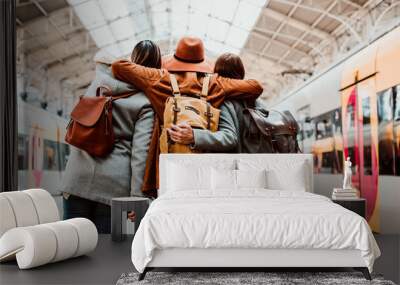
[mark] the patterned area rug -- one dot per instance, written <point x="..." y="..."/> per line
<point x="242" y="278"/>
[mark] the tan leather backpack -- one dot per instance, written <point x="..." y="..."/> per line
<point x="90" y="128"/>
<point x="191" y="109"/>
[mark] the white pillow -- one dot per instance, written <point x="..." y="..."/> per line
<point x="290" y="179"/>
<point x="183" y="177"/>
<point x="223" y="179"/>
<point x="283" y="172"/>
<point x="251" y="178"/>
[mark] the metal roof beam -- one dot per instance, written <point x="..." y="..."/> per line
<point x="61" y="33"/>
<point x="276" y="42"/>
<point x="319" y="19"/>
<point x="281" y="25"/>
<point x="296" y="24"/>
<point x="351" y="3"/>
<point x="311" y="45"/>
<point x="107" y="23"/>
<point x="66" y="59"/>
<point x="46" y="47"/>
<point x="51" y="44"/>
<point x="25" y="3"/>
<point x="343" y="20"/>
<point x="53" y="14"/>
<point x="272" y="58"/>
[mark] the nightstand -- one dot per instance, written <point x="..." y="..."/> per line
<point x="119" y="207"/>
<point x="358" y="205"/>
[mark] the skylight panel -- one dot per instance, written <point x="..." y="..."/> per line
<point x="214" y="46"/>
<point x="75" y="2"/>
<point x="180" y="7"/>
<point x="122" y="28"/>
<point x="159" y="6"/>
<point x="224" y="9"/>
<point x="217" y="29"/>
<point x="222" y="24"/>
<point x="160" y="23"/>
<point x="135" y="7"/>
<point x="141" y="23"/>
<point x="144" y="35"/>
<point x="90" y="14"/>
<point x="258" y="3"/>
<point x="113" y="50"/>
<point x="203" y="6"/>
<point x="231" y="49"/>
<point x="127" y="46"/>
<point x="159" y="14"/>
<point x="246" y="15"/>
<point x="179" y="17"/>
<point x="198" y="23"/>
<point x="113" y="9"/>
<point x="237" y="37"/>
<point x="102" y="36"/>
<point x="179" y="27"/>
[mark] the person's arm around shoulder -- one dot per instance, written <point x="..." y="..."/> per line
<point x="240" y="89"/>
<point x="140" y="146"/>
<point x="139" y="76"/>
<point x="223" y="140"/>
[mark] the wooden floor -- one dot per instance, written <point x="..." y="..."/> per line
<point x="110" y="260"/>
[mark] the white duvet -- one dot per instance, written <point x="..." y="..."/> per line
<point x="254" y="218"/>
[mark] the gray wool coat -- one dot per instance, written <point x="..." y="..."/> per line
<point x="226" y="139"/>
<point x="120" y="174"/>
<point x="229" y="137"/>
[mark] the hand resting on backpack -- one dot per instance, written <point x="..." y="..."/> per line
<point x="181" y="133"/>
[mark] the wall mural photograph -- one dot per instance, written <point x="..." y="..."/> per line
<point x="173" y="141"/>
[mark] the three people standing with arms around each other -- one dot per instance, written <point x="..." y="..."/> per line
<point x="89" y="183"/>
<point x="226" y="139"/>
<point x="189" y="66"/>
<point x="230" y="134"/>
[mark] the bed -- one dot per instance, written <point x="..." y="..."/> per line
<point x="246" y="211"/>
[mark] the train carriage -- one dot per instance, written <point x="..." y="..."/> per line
<point x="353" y="110"/>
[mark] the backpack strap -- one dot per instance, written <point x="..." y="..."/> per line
<point x="203" y="95"/>
<point x="126" y="95"/>
<point x="174" y="84"/>
<point x="261" y="125"/>
<point x="204" y="89"/>
<point x="290" y="126"/>
<point x="175" y="92"/>
<point x="259" y="121"/>
<point x="103" y="90"/>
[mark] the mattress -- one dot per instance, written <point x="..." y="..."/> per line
<point x="250" y="219"/>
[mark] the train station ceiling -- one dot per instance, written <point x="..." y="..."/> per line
<point x="282" y="42"/>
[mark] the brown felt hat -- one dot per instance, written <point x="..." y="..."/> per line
<point x="189" y="56"/>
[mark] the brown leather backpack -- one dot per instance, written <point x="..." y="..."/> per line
<point x="90" y="128"/>
<point x="191" y="109"/>
<point x="270" y="131"/>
